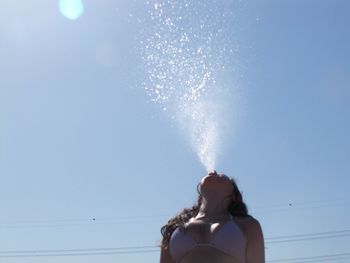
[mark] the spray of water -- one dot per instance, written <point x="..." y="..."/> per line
<point x="186" y="50"/>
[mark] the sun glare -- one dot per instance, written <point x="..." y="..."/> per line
<point x="71" y="9"/>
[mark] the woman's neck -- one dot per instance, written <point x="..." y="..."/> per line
<point x="212" y="211"/>
<point x="216" y="217"/>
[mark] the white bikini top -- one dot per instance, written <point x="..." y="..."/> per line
<point x="228" y="239"/>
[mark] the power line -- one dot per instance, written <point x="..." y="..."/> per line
<point x="77" y="250"/>
<point x="309" y="236"/>
<point x="113" y="220"/>
<point x="149" y="248"/>
<point x="77" y="254"/>
<point x="318" y="260"/>
<point x="330" y="257"/>
<point x="312" y="234"/>
<point x="313" y="258"/>
<point x="84" y="220"/>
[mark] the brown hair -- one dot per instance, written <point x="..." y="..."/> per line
<point x="236" y="208"/>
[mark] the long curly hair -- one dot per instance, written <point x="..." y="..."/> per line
<point x="236" y="208"/>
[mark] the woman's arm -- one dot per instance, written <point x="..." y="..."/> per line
<point x="165" y="256"/>
<point x="255" y="251"/>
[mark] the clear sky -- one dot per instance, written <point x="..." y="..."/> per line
<point x="88" y="162"/>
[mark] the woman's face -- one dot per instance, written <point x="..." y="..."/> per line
<point x="216" y="184"/>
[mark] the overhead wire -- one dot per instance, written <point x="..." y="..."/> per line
<point x="96" y="221"/>
<point x="312" y="258"/>
<point x="153" y="248"/>
<point x="319" y="258"/>
<point x="308" y="236"/>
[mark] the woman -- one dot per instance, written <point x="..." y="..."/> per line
<point x="216" y="230"/>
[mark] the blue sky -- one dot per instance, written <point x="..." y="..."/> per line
<point x="87" y="161"/>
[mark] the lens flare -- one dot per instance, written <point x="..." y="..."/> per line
<point x="71" y="9"/>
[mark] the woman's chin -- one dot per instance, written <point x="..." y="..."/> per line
<point x="212" y="182"/>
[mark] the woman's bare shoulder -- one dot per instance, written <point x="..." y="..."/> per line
<point x="250" y="225"/>
<point x="165" y="256"/>
<point x="246" y="220"/>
